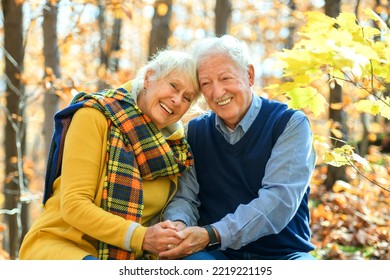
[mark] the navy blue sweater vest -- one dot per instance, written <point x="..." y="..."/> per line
<point x="230" y="175"/>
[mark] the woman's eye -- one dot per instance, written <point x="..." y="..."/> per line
<point x="174" y="85"/>
<point x="187" y="99"/>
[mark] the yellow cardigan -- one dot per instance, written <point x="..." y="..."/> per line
<point x="71" y="225"/>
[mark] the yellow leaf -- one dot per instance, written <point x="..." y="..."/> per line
<point x="335" y="159"/>
<point x="338" y="75"/>
<point x="366" y="165"/>
<point x="302" y="79"/>
<point x="337" y="106"/>
<point x="385" y="107"/>
<point x="299" y="97"/>
<point x="1" y="200"/>
<point x="162" y="9"/>
<point x="377" y="18"/>
<point x="385" y="112"/>
<point x="318" y="21"/>
<point x="317" y="104"/>
<point x="340" y="186"/>
<point x="346" y="20"/>
<point x="372" y="137"/>
<point x="346" y="150"/>
<point x="337" y="132"/>
<point x="367" y="106"/>
<point x="381" y="107"/>
<point x="306" y="97"/>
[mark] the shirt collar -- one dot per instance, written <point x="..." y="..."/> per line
<point x="246" y="121"/>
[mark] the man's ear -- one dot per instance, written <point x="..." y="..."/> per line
<point x="251" y="74"/>
<point x="147" y="76"/>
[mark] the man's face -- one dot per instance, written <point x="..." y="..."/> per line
<point x="226" y="87"/>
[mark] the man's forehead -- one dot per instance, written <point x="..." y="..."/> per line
<point x="216" y="69"/>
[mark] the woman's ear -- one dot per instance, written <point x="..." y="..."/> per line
<point x="148" y="74"/>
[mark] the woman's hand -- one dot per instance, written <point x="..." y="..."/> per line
<point x="161" y="237"/>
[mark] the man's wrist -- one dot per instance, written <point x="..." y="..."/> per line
<point x="181" y="221"/>
<point x="214" y="242"/>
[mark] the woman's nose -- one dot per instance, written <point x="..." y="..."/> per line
<point x="176" y="98"/>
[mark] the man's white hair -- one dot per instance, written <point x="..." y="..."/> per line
<point x="228" y="45"/>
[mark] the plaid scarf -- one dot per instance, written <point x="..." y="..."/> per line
<point x="136" y="151"/>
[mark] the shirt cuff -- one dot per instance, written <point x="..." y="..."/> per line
<point x="224" y="234"/>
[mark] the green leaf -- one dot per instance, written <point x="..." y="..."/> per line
<point x="307" y="97"/>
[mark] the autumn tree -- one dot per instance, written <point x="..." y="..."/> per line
<point x="103" y="44"/>
<point x="223" y="10"/>
<point x="15" y="111"/>
<point x="336" y="114"/>
<point x="110" y="40"/>
<point x="160" y="26"/>
<point x="52" y="68"/>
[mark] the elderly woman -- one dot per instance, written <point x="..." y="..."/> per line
<point x="113" y="167"/>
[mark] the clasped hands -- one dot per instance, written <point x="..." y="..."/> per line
<point x="173" y="240"/>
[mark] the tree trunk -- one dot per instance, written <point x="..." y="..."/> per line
<point x="160" y="26"/>
<point x="291" y="27"/>
<point x="364" y="142"/>
<point x="223" y="10"/>
<point x="108" y="61"/>
<point x="332" y="9"/>
<point x="104" y="49"/>
<point x="52" y="61"/>
<point x="115" y="44"/>
<point x="15" y="126"/>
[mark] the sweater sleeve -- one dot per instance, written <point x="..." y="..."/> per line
<point x="83" y="172"/>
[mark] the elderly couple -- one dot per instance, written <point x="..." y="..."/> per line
<point x="125" y="180"/>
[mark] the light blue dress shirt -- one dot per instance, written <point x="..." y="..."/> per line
<point x="287" y="175"/>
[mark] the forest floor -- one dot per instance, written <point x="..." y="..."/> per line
<point x="352" y="222"/>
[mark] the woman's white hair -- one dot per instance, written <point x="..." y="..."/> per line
<point x="166" y="62"/>
<point x="226" y="45"/>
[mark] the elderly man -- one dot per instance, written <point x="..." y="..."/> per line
<point x="254" y="159"/>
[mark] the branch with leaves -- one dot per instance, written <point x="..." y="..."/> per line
<point x="338" y="50"/>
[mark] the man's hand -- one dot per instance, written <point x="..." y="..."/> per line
<point x="179" y="225"/>
<point x="194" y="239"/>
<point x="160" y="237"/>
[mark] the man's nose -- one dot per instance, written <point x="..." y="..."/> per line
<point x="219" y="90"/>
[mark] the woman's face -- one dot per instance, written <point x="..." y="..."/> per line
<point x="166" y="100"/>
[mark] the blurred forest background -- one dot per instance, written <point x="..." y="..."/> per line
<point x="51" y="49"/>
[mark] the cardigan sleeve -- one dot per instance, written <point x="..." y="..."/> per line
<point x="83" y="173"/>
